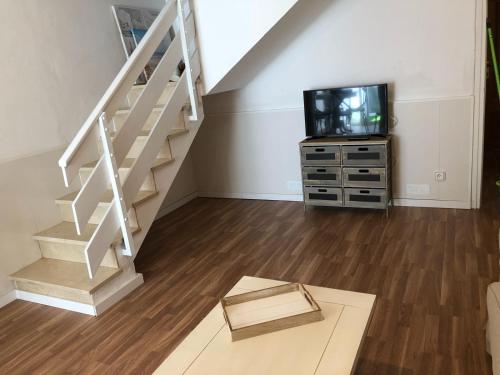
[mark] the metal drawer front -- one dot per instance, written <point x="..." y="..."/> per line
<point x="323" y="196"/>
<point x="320" y="175"/>
<point x="367" y="198"/>
<point x="364" y="155"/>
<point x="321" y="155"/>
<point x="364" y="177"/>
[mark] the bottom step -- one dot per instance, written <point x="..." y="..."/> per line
<point x="62" y="279"/>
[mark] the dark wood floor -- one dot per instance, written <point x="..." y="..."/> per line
<point x="428" y="267"/>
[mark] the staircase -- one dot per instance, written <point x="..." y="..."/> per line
<point x="128" y="152"/>
<point x="126" y="156"/>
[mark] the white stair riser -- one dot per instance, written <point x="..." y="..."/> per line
<point x="138" y="146"/>
<point x="136" y="91"/>
<point x="55" y="291"/>
<point x="149" y="183"/>
<point x="72" y="253"/>
<point x="120" y="118"/>
<point x="97" y="216"/>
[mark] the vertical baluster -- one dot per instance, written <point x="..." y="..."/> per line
<point x="114" y="177"/>
<point x="187" y="61"/>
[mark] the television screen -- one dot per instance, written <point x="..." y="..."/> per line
<point x="346" y="112"/>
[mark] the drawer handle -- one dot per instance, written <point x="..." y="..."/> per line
<point x="362" y="148"/>
<point x="363" y="171"/>
<point x="319" y="150"/>
<point x="321" y="170"/>
<point x="322" y="191"/>
<point x="364" y="191"/>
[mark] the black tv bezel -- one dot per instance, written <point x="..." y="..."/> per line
<point x="364" y="135"/>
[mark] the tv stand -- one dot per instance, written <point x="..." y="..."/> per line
<point x="339" y="172"/>
<point x="358" y="139"/>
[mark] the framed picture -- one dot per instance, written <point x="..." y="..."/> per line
<point x="133" y="23"/>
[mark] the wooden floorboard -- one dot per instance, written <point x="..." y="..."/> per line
<point x="428" y="267"/>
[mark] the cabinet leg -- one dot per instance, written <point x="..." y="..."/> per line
<point x="389" y="205"/>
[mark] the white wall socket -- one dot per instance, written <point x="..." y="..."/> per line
<point x="440" y="176"/>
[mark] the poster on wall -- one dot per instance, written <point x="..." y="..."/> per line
<point x="138" y="34"/>
<point x="133" y="24"/>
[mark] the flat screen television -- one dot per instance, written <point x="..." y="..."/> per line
<point x="346" y="112"/>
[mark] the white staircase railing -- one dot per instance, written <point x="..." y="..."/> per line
<point x="96" y="129"/>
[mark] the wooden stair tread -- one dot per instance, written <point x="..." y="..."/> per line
<point x="127" y="110"/>
<point x="65" y="232"/>
<point x="141" y="87"/>
<point x="127" y="163"/>
<point x="176" y="132"/>
<point x="60" y="273"/>
<point x="172" y="133"/>
<point x="106" y="199"/>
<point x="159" y="162"/>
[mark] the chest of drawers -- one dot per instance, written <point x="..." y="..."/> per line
<point x="347" y="173"/>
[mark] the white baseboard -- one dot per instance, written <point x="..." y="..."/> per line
<point x="431" y="203"/>
<point x="79" y="307"/>
<point x="299" y="198"/>
<point x="116" y="296"/>
<point x="7" y="298"/>
<point x="256" y="196"/>
<point x="174" y="206"/>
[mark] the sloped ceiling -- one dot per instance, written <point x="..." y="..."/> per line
<point x="228" y="29"/>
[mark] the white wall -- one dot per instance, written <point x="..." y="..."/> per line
<point x="28" y="188"/>
<point x="249" y="154"/>
<point x="228" y="29"/>
<point x="58" y="58"/>
<point x="424" y="49"/>
<point x="433" y="135"/>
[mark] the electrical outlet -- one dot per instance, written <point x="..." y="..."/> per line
<point x="294" y="186"/>
<point x="440" y="176"/>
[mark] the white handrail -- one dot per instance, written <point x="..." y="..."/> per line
<point x="124" y="73"/>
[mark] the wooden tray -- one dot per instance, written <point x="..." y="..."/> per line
<point x="268" y="310"/>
